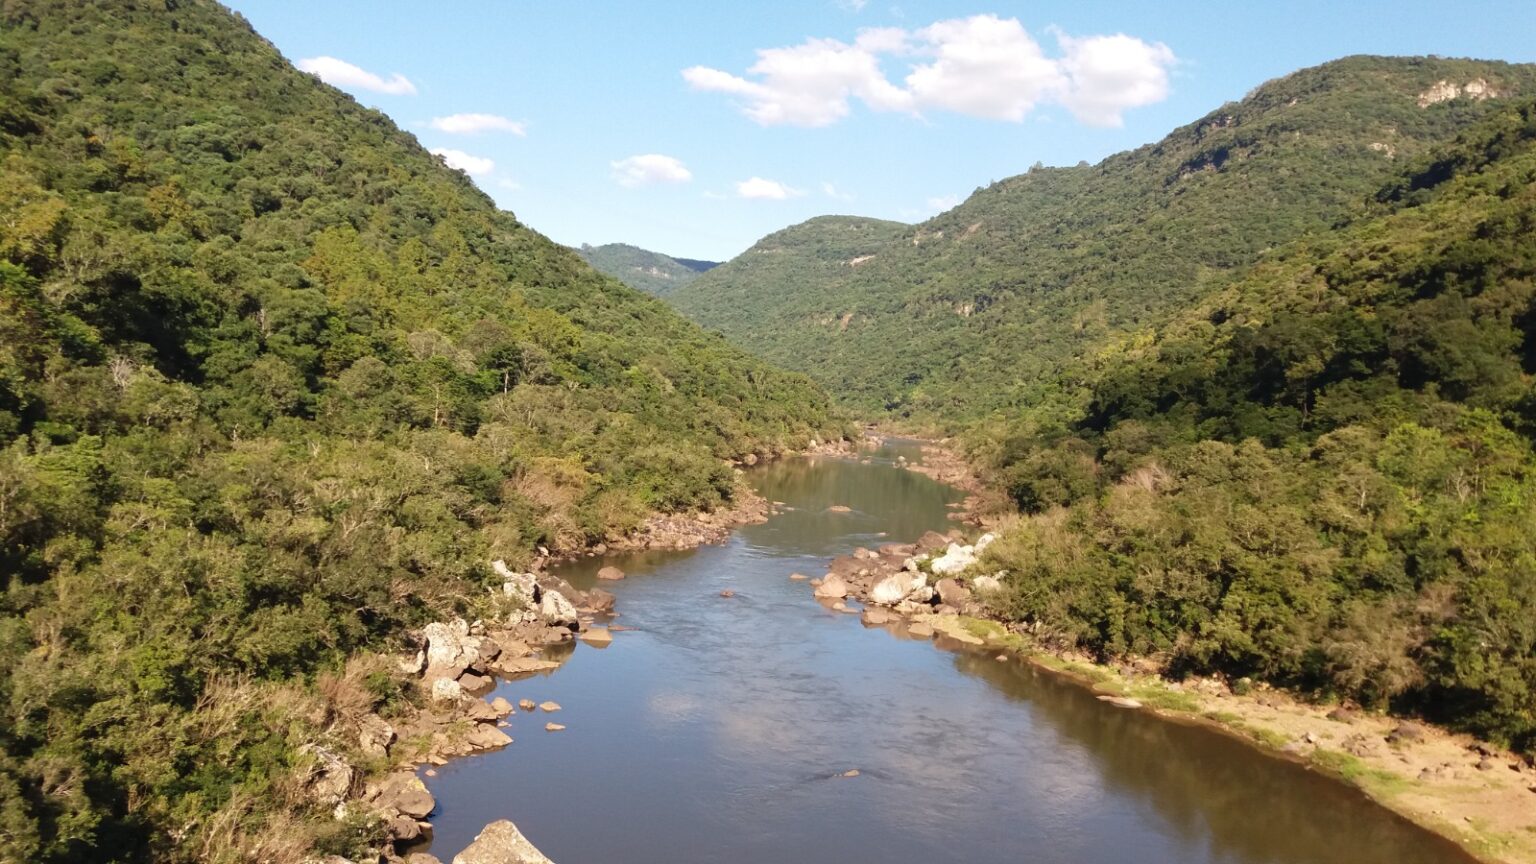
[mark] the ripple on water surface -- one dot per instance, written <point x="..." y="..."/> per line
<point x="719" y="730"/>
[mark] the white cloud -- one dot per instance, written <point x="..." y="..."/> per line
<point x="472" y="165"/>
<point x="469" y="124"/>
<point x="772" y="190"/>
<point x="981" y="66"/>
<point x="831" y="191"/>
<point x="340" y="73"/>
<point x="809" y="84"/>
<point x="1109" y="74"/>
<point x="984" y="66"/>
<point x="649" y="168"/>
<point x="509" y="184"/>
<point x="943" y="202"/>
<point x="852" y="5"/>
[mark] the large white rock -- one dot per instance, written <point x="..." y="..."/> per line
<point x="984" y="541"/>
<point x="894" y="588"/>
<point x="954" y="560"/>
<point x="521" y="587"/>
<point x="556" y="611"/>
<point x="501" y="843"/>
<point x="448" y="648"/>
<point x="986" y="584"/>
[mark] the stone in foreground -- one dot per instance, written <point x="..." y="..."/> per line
<point x="501" y="843"/>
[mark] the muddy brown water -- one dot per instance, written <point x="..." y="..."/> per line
<point x="717" y="730"/>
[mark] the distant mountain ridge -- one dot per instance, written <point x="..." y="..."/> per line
<point x="1005" y="302"/>
<point x="644" y="270"/>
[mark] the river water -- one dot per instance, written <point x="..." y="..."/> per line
<point x="717" y="730"/>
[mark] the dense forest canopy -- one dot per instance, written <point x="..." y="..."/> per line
<point x="1321" y="475"/>
<point x="275" y="384"/>
<point x="1006" y="301"/>
<point x="643" y="270"/>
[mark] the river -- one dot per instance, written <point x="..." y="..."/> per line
<point x="718" y="729"/>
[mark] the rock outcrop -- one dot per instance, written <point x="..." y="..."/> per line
<point x="501" y="843"/>
<point x="897" y="587"/>
<point x="832" y="588"/>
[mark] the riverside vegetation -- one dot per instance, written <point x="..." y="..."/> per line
<point x="1305" y="462"/>
<point x="276" y="385"/>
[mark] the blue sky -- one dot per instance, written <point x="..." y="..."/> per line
<point x="661" y="124"/>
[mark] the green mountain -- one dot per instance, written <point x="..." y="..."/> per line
<point x="1006" y="301"/>
<point x="642" y="269"/>
<point x="276" y="384"/>
<point x="1321" y="474"/>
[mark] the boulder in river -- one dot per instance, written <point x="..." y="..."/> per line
<point x="557" y="611"/>
<point x="549" y="707"/>
<point x="610" y="573"/>
<point x="832" y="588"/>
<point x="839" y="508"/>
<point x="875" y="617"/>
<point x="600" y="601"/>
<point x="501" y="843"/>
<point x="598" y="637"/>
<point x="894" y="588"/>
<point x="406" y="793"/>
<point x="932" y="540"/>
<point x="528" y="705"/>
<point x="554" y="727"/>
<point x="486" y="737"/>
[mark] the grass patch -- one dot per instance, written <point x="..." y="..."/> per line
<point x="1160" y="697"/>
<point x="1374" y="780"/>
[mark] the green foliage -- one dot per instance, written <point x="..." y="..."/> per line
<point x="1322" y="475"/>
<point x="1010" y="301"/>
<point x="276" y="384"/>
<point x="643" y="270"/>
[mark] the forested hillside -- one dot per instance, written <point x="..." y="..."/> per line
<point x="275" y="383"/>
<point x="1321" y="475"/>
<point x="643" y="270"/>
<point x="1007" y="301"/>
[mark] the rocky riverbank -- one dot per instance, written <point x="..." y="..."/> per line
<point x="523" y="628"/>
<point x="1477" y="795"/>
<point x="448" y="668"/>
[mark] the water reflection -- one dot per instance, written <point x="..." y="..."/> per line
<point x="718" y="729"/>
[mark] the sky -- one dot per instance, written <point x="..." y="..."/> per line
<point x="695" y="128"/>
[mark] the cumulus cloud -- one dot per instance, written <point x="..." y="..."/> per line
<point x="943" y="202"/>
<point x="340" y="73"/>
<point x="982" y="66"/>
<point x="472" y="165"/>
<point x="470" y="124"/>
<point x="1108" y="74"/>
<point x="831" y="191"/>
<point x="809" y="84"/>
<point x="772" y="190"/>
<point x="649" y="168"/>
